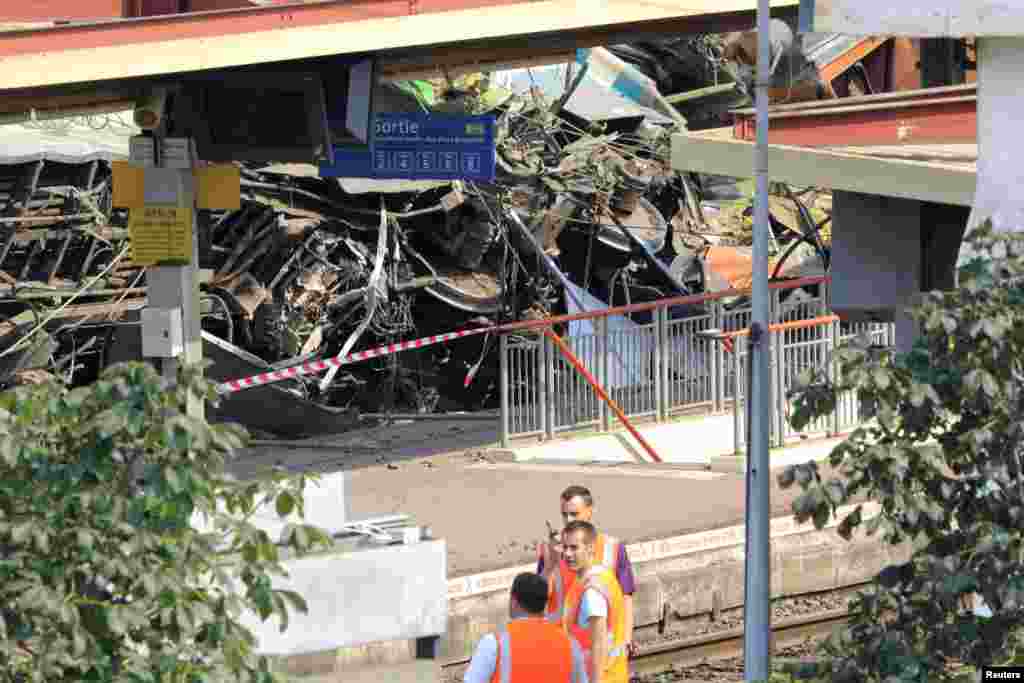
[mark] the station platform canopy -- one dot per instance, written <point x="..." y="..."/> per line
<point x="79" y="64"/>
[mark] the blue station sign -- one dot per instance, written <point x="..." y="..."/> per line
<point x="421" y="147"/>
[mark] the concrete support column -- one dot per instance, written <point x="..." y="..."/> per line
<point x="876" y="258"/>
<point x="1000" y="122"/>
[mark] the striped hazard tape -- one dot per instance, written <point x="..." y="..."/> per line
<point x="317" y="366"/>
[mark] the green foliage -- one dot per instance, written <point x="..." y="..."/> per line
<point x="103" y="576"/>
<point x="943" y="458"/>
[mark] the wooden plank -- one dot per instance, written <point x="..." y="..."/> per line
<point x="128" y="49"/>
<point x="935" y="182"/>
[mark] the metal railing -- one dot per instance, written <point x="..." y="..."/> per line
<point x="665" y="367"/>
<point x="807" y="344"/>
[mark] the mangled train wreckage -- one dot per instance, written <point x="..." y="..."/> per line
<point x="311" y="267"/>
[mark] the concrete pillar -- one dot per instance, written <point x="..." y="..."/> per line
<point x="1000" y="122"/>
<point x="876" y="260"/>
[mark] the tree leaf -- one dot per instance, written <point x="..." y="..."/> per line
<point x="172" y="479"/>
<point x="285" y="503"/>
<point x="295" y="600"/>
<point x="93" y="570"/>
<point x="84" y="538"/>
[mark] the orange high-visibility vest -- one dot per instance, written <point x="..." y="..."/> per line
<point x="606" y="554"/>
<point x="533" y="651"/>
<point x="616" y="666"/>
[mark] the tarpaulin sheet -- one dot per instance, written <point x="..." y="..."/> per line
<point x="630" y="349"/>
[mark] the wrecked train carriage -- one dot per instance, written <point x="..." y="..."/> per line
<point x="57" y="235"/>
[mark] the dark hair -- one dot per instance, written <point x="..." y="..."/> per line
<point x="589" y="532"/>
<point x="577" y="491"/>
<point x="531" y="592"/>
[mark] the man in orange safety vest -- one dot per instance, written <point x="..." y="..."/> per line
<point x="594" y="610"/>
<point x="529" y="649"/>
<point x="578" y="503"/>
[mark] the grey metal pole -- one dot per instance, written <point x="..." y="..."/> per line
<point x="757" y="596"/>
<point x="506" y="405"/>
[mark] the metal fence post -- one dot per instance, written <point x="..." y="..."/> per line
<point x="833" y="374"/>
<point x="738" y="397"/>
<point x="504" y="388"/>
<point x="548" y="372"/>
<point x="773" y="387"/>
<point x="603" y="351"/>
<point x="661" y="363"/>
<point x="717" y="369"/>
<point x="779" y="382"/>
<point x="542" y="383"/>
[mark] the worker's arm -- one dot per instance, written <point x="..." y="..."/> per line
<point x="579" y="663"/>
<point x="549" y="555"/>
<point x="598" y="646"/>
<point x="484" y="661"/>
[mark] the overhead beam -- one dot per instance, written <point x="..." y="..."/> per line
<point x="916" y="18"/>
<point x="944" y="184"/>
<point x="166" y="46"/>
<point x="933" y="116"/>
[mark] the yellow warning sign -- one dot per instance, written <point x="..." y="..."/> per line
<point x="160" y="235"/>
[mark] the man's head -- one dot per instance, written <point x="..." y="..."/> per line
<point x="578" y="539"/>
<point x="577" y="504"/>
<point x="529" y="595"/>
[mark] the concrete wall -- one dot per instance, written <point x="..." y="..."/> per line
<point x="354" y="598"/>
<point x="687" y="440"/>
<point x="886" y="250"/>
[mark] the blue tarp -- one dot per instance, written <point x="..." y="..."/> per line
<point x="629" y="351"/>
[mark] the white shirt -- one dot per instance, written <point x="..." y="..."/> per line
<point x="485" y="660"/>
<point x="592" y="604"/>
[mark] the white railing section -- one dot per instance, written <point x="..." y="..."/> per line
<point x="666" y="367"/>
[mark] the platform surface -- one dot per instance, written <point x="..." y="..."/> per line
<point x="491" y="510"/>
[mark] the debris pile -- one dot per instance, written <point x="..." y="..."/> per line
<point x="312" y="267"/>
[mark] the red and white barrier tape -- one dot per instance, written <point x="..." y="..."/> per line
<point x="316" y="366"/>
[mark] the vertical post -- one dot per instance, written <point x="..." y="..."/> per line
<point x="504" y="389"/>
<point x="779" y="386"/>
<point x="833" y="374"/>
<point x="548" y="370"/>
<point x="738" y="414"/>
<point x="658" y="358"/>
<point x="542" y="380"/>
<point x="604" y="350"/>
<point x="666" y="359"/>
<point x="169" y="181"/>
<point x="716" y="365"/>
<point x="757" y="594"/>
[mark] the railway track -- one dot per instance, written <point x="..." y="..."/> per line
<point x="727" y="644"/>
<point x="719" y="645"/>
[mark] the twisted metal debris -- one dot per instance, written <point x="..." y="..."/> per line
<point x="309" y="268"/>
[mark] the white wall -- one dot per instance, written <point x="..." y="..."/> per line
<point x="920" y="18"/>
<point x="391" y="593"/>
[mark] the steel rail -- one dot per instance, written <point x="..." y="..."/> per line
<point x="728" y="644"/>
<point x="725" y="644"/>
